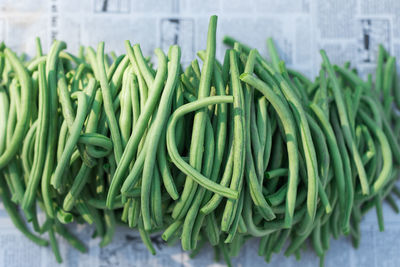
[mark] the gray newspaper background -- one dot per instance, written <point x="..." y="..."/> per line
<point x="346" y="29"/>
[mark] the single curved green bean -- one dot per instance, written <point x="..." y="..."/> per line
<point x="41" y="141"/>
<point x="51" y="66"/>
<point x="177" y="159"/>
<point x="108" y="103"/>
<point x="386" y="171"/>
<point x="163" y="165"/>
<point x="125" y="117"/>
<point x="155" y="200"/>
<point x="239" y="142"/>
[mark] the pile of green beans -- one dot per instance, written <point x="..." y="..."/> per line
<point x="213" y="154"/>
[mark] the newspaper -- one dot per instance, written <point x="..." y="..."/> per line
<point x="346" y="29"/>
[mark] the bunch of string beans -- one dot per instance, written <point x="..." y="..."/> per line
<point x="219" y="154"/>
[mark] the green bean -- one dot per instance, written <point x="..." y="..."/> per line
<point x="77" y="186"/>
<point x="25" y="155"/>
<point x="276" y="173"/>
<point x="101" y="203"/>
<point x="142" y="66"/>
<point x="239" y="142"/>
<point x="351" y="76"/>
<point x="40" y="144"/>
<point x="379" y="214"/>
<point x="146" y="238"/>
<point x="231" y="41"/>
<point x="133" y="193"/>
<point x="119" y="61"/>
<point x="279" y="196"/>
<point x="125" y="118"/>
<point x="134" y="212"/>
<point x="384" y="176"/>
<point x="273" y="53"/>
<point x="109" y="219"/>
<point x="179" y="162"/>
<point x="235" y="224"/>
<point x="107" y="98"/>
<point x="171" y="230"/>
<point x="143" y="88"/>
<point x="132" y="80"/>
<point x="371" y="152"/>
<point x="84" y="211"/>
<point x="134" y="173"/>
<point x="263" y="126"/>
<point x="64" y="217"/>
<point x="180" y="127"/>
<point x="395" y="147"/>
<point x="64" y="96"/>
<point x="321" y="148"/>
<point x="163" y="165"/>
<point x="316" y="240"/>
<point x="325" y="235"/>
<point x="77" y="77"/>
<point x="71" y="239"/>
<point x="51" y="64"/>
<point x="63" y="136"/>
<point x="54" y="245"/>
<point x="93" y="140"/>
<point x="156" y="205"/>
<point x="212" y="230"/>
<point x="16" y="182"/>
